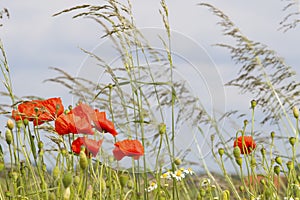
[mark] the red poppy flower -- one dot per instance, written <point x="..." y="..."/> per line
<point x="248" y="144"/>
<point x="78" y="120"/>
<point x="103" y="124"/>
<point x="92" y="146"/>
<point x="39" y="111"/>
<point x="131" y="148"/>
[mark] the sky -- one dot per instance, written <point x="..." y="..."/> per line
<point x="34" y="41"/>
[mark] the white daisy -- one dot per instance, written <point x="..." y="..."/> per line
<point x="152" y="187"/>
<point x="178" y="175"/>
<point x="188" y="171"/>
<point x="166" y="175"/>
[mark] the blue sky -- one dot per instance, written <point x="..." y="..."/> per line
<point x="35" y="41"/>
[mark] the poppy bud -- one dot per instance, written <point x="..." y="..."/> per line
<point x="296" y="112"/>
<point x="2" y="165"/>
<point x="25" y="122"/>
<point x="8" y="194"/>
<point x="41" y="152"/>
<point x="63" y="152"/>
<point x="212" y="138"/>
<point x="44" y="167"/>
<point x="40" y="144"/>
<point x="89" y="192"/>
<point x="226" y="195"/>
<point x="199" y="196"/>
<point x="111" y="159"/>
<point x="272" y="134"/>
<point x="239" y="161"/>
<point x="237" y="152"/>
<point x="246" y="122"/>
<point x="67" y="194"/>
<point x="130" y="184"/>
<point x="253" y="162"/>
<point x="278" y="160"/>
<point x="14" y="176"/>
<point x="55" y="172"/>
<point x="253" y="104"/>
<point x="263" y="181"/>
<point x="102" y="184"/>
<point x="52" y="196"/>
<point x="123" y="180"/>
<point x="202" y="192"/>
<point x="289" y="165"/>
<point x="8" y="136"/>
<point x="67" y="179"/>
<point x="19" y="124"/>
<point x="177" y="161"/>
<point x="83" y="161"/>
<point x="292" y="140"/>
<point x="242" y="188"/>
<point x="76" y="180"/>
<point x="221" y="151"/>
<point x="70" y="107"/>
<point x="263" y="151"/>
<point x="162" y="128"/>
<point x="10" y="124"/>
<point x="276" y="170"/>
<point x="36" y="109"/>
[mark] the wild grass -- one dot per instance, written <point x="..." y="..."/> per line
<point x="150" y="104"/>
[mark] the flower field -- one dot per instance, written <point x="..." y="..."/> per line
<point x="142" y="132"/>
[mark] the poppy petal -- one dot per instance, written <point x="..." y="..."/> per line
<point x="131" y="148"/>
<point x="245" y="143"/>
<point x="103" y="124"/>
